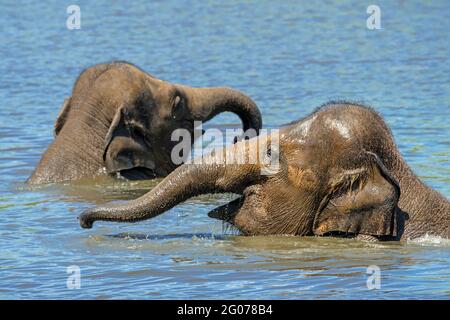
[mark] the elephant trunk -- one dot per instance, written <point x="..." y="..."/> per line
<point x="188" y="180"/>
<point x="205" y="103"/>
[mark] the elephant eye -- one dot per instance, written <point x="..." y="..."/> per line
<point x="178" y="105"/>
<point x="176" y="101"/>
<point x="273" y="152"/>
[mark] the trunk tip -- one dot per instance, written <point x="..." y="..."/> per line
<point x="86" y="219"/>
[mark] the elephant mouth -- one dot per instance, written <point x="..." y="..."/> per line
<point x="228" y="211"/>
<point x="137" y="173"/>
<point x="124" y="158"/>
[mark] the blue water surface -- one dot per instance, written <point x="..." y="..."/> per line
<point x="290" y="57"/>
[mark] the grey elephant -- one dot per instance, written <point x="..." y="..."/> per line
<point x="340" y="174"/>
<point x="119" y="119"/>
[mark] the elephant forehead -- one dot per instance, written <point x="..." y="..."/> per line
<point x="305" y="126"/>
<point x="300" y="132"/>
<point x="338" y="126"/>
<point x="164" y="95"/>
<point x="323" y="124"/>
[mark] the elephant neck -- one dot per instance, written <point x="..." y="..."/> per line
<point x="75" y="153"/>
<point x="425" y="210"/>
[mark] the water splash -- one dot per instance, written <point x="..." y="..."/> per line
<point x="430" y="240"/>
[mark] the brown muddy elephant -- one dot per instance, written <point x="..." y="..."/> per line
<point x="119" y="119"/>
<point x="340" y="174"/>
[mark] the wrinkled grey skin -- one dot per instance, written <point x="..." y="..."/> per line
<point x="121" y="118"/>
<point x="341" y="174"/>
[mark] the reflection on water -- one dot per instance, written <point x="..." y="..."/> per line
<point x="289" y="57"/>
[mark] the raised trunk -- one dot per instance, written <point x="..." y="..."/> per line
<point x="205" y="103"/>
<point x="213" y="175"/>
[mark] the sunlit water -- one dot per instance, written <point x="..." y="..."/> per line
<point x="290" y="58"/>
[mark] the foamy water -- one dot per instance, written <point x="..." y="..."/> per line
<point x="430" y="240"/>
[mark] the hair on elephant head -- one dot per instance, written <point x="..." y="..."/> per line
<point x="122" y="118"/>
<point x="340" y="174"/>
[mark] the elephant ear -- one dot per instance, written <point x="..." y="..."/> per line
<point x="62" y="116"/>
<point x="362" y="201"/>
<point x="118" y="126"/>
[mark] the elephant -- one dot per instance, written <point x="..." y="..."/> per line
<point x="119" y="120"/>
<point x="340" y="174"/>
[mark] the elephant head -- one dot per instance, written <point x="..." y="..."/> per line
<point x="331" y="180"/>
<point x="121" y="118"/>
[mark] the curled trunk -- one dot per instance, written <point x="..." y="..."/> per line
<point x="206" y="103"/>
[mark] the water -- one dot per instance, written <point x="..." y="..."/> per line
<point x="289" y="57"/>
